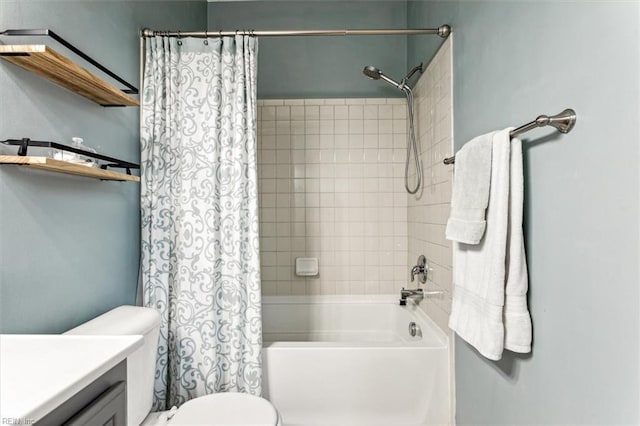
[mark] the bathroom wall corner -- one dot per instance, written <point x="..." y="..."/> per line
<point x="428" y="210"/>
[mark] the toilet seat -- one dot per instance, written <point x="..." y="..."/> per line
<point x="226" y="409"/>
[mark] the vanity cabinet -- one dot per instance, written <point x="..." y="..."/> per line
<point x="57" y="379"/>
<point x="102" y="402"/>
<point x="110" y="408"/>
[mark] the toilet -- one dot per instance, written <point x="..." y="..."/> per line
<point x="227" y="408"/>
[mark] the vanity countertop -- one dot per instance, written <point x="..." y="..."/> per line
<point x="40" y="372"/>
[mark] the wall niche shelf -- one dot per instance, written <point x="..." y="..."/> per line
<point x="48" y="63"/>
<point x="60" y="166"/>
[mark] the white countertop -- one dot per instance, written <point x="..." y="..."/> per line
<point x="40" y="372"/>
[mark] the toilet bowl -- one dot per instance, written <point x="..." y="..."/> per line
<point x="230" y="409"/>
<point x="220" y="409"/>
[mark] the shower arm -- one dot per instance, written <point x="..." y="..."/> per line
<point x="411" y="73"/>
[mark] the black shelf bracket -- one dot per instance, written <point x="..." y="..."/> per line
<point x="131" y="89"/>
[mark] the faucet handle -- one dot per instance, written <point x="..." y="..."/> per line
<point x="420" y="269"/>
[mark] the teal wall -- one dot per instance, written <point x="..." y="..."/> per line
<point x="513" y="61"/>
<point x="69" y="246"/>
<point x="320" y="67"/>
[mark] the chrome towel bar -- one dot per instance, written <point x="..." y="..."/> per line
<point x="563" y="122"/>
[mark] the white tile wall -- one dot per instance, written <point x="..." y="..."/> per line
<point x="331" y="185"/>
<point x="428" y="210"/>
<point x="330" y="181"/>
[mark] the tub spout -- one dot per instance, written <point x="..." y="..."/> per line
<point x="415" y="294"/>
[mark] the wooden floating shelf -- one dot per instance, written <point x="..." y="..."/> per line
<point x="49" y="164"/>
<point x="46" y="62"/>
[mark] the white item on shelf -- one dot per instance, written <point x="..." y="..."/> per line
<point x="306" y="266"/>
<point x="72" y="157"/>
<point x="67" y="156"/>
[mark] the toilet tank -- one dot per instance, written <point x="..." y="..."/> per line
<point x="141" y="365"/>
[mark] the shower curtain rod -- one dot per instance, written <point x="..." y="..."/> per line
<point x="563" y="122"/>
<point x="443" y="31"/>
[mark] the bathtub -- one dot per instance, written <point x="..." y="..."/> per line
<point x="350" y="360"/>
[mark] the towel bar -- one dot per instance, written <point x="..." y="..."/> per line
<point x="563" y="122"/>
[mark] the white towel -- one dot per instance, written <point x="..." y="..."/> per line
<point x="483" y="273"/>
<point x="470" y="197"/>
<point x="517" y="321"/>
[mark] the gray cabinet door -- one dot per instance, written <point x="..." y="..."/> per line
<point x="109" y="409"/>
<point x="93" y="402"/>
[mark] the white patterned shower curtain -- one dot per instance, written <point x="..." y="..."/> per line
<point x="200" y="264"/>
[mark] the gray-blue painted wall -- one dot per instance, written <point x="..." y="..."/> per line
<point x="69" y="246"/>
<point x="513" y="61"/>
<point x="320" y="67"/>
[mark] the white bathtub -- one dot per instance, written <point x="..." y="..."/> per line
<point x="350" y="360"/>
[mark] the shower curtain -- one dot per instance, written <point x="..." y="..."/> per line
<point x="200" y="263"/>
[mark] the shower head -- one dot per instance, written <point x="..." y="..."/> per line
<point x="372" y="72"/>
<point x="375" y="74"/>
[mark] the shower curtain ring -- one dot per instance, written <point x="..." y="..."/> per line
<point x="179" y="39"/>
<point x="206" y="38"/>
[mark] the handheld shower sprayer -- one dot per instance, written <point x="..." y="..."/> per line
<point x="372" y="72"/>
<point x="375" y="74"/>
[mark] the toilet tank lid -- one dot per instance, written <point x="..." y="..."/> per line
<point x="122" y="321"/>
